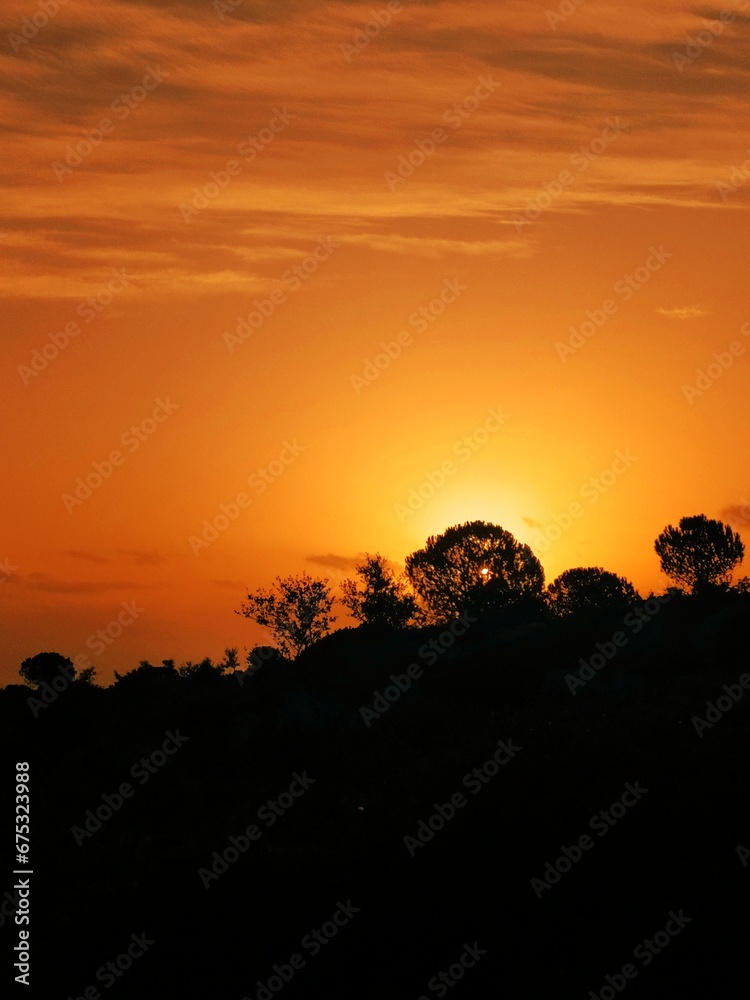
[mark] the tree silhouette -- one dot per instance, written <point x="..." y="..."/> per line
<point x="700" y="552"/>
<point x="263" y="656"/>
<point x="382" y="600"/>
<point x="297" y="611"/>
<point x="45" y="667"/>
<point x="589" y="588"/>
<point x="476" y="566"/>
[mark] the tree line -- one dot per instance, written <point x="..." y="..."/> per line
<point x="474" y="568"/>
<point x="482" y="569"/>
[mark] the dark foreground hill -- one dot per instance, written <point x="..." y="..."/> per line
<point x="386" y="811"/>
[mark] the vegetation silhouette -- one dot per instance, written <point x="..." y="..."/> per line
<point x="45" y="667"/>
<point x="438" y="700"/>
<point x="700" y="553"/>
<point x="474" y="567"/>
<point x="297" y="611"/>
<point x="589" y="589"/>
<point x="382" y="600"/>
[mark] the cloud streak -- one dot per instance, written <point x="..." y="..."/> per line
<point x="120" y="206"/>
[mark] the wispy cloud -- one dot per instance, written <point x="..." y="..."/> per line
<point x="48" y="584"/>
<point x="120" y="204"/>
<point x="152" y="558"/>
<point x="683" y="312"/>
<point x="86" y="556"/>
<point x="738" y="514"/>
<point x="331" y="561"/>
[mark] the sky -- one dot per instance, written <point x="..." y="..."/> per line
<point x="287" y="282"/>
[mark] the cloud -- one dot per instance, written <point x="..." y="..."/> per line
<point x="47" y="584"/>
<point x="435" y="247"/>
<point x="230" y="584"/>
<point x="683" y="312"/>
<point x="143" y="558"/>
<point x="120" y="206"/>
<point x="738" y="514"/>
<point x="87" y="556"/>
<point x="532" y="523"/>
<point x="331" y="561"/>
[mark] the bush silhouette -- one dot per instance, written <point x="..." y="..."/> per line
<point x="589" y="589"/>
<point x="382" y="600"/>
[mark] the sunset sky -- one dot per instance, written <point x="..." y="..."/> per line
<point x="213" y="220"/>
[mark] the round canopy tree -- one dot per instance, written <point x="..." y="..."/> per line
<point x="476" y="567"/>
<point x="699" y="553"/>
<point x="45" y="667"/>
<point x="589" y="588"/>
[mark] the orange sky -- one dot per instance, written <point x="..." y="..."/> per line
<point x="543" y="160"/>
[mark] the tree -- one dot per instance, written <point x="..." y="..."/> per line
<point x="297" y="611"/>
<point x="476" y="567"/>
<point x="589" y="588"/>
<point x="263" y="656"/>
<point x="382" y="600"/>
<point x="700" y="552"/>
<point x="231" y="659"/>
<point x="45" y="667"/>
<point x="146" y="676"/>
